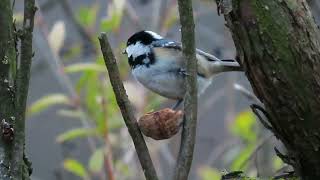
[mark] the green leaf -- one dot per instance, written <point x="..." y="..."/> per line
<point x="56" y="36"/>
<point x="123" y="168"/>
<point x="96" y="161"/>
<point x="171" y="18"/>
<point x="82" y="81"/>
<point x="76" y="168"/>
<point x="277" y="162"/>
<point x="207" y="173"/>
<point x="79" y="67"/>
<point x="87" y="16"/>
<point x="115" y="122"/>
<point x="115" y="12"/>
<point x="112" y="23"/>
<point x="75" y="133"/>
<point x="244" y="126"/>
<point x="154" y="102"/>
<point x="18" y="17"/>
<point x="70" y="113"/>
<point x="240" y="162"/>
<point x="73" y="52"/>
<point x="46" y="102"/>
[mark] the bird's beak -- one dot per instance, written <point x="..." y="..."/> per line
<point x="124" y="51"/>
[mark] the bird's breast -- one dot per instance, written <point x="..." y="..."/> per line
<point x="164" y="77"/>
<point x="161" y="77"/>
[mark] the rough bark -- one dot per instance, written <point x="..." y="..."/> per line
<point x="188" y="135"/>
<point x="14" y="82"/>
<point x="278" y="44"/>
<point x="8" y="57"/>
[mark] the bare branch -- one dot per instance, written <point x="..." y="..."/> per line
<point x="126" y="109"/>
<point x="14" y="77"/>
<point x="22" y="87"/>
<point x="190" y="101"/>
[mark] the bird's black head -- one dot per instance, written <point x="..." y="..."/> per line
<point x="138" y="48"/>
<point x="144" y="37"/>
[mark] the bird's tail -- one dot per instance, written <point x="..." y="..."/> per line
<point x="209" y="65"/>
<point x="224" y="65"/>
<point x="230" y="65"/>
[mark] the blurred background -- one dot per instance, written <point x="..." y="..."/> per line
<point x="74" y="128"/>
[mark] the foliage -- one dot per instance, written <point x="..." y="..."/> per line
<point x="76" y="168"/>
<point x="75" y="133"/>
<point x="207" y="173"/>
<point x="98" y="110"/>
<point x="96" y="161"/>
<point x="47" y="101"/>
<point x="245" y="128"/>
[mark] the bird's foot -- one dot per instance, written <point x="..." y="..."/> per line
<point x="177" y="104"/>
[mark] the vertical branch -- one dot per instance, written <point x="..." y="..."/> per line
<point x="22" y="86"/>
<point x="87" y="41"/>
<point x="126" y="109"/>
<point x="14" y="77"/>
<point x="24" y="65"/>
<point x="190" y="100"/>
<point x="7" y="73"/>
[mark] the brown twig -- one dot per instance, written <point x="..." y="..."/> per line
<point x="190" y="101"/>
<point x="88" y="43"/>
<point x="108" y="159"/>
<point x="126" y="109"/>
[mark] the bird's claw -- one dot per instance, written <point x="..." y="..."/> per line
<point x="177" y="104"/>
<point x="184" y="72"/>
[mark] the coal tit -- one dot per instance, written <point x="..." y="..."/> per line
<point x="158" y="64"/>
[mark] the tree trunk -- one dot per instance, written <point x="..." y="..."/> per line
<point x="278" y="44"/>
<point x="14" y="82"/>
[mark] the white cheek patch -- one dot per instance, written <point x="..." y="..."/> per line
<point x="137" y="49"/>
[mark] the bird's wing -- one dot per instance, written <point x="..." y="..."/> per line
<point x="178" y="46"/>
<point x="207" y="64"/>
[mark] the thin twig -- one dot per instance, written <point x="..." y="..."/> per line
<point x="108" y="159"/>
<point x="286" y="175"/>
<point x="218" y="152"/>
<point x="281" y="170"/>
<point x="263" y="121"/>
<point x="190" y="101"/>
<point x="246" y="93"/>
<point x="87" y="41"/>
<point x="126" y="109"/>
<point x="256" y="150"/>
<point x="132" y="14"/>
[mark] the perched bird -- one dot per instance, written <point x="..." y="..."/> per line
<point x="158" y="64"/>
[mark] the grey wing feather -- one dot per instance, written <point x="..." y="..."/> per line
<point x="175" y="45"/>
<point x="214" y="64"/>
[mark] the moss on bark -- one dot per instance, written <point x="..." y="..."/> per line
<point x="279" y="46"/>
<point x="14" y="82"/>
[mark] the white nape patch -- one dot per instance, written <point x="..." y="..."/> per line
<point x="154" y="35"/>
<point x="137" y="49"/>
